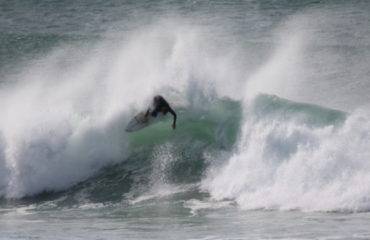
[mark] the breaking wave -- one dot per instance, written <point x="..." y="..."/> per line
<point x="64" y="113"/>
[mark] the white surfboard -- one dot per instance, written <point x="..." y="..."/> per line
<point x="140" y="121"/>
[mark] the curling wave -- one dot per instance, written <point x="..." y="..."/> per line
<point x="296" y="156"/>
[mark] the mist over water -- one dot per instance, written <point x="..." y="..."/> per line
<point x="66" y="115"/>
<point x="272" y="111"/>
<point x="288" y="155"/>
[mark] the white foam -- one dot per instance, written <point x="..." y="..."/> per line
<point x="196" y="206"/>
<point x="286" y="165"/>
<point x="64" y="115"/>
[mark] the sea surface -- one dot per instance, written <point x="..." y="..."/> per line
<point x="273" y="131"/>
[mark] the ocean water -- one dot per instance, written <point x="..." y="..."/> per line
<point x="273" y="132"/>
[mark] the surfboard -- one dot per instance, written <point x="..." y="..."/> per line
<point x="140" y="121"/>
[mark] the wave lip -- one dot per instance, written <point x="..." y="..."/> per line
<point x="297" y="156"/>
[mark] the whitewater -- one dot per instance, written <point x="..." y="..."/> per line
<point x="273" y="132"/>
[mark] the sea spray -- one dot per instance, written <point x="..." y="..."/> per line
<point x="66" y="111"/>
<point x="291" y="155"/>
<point x="287" y="160"/>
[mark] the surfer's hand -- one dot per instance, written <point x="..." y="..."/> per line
<point x="173" y="125"/>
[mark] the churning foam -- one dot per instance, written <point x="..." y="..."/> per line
<point x="63" y="118"/>
<point x="287" y="165"/>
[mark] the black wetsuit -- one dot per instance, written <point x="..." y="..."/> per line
<point x="161" y="105"/>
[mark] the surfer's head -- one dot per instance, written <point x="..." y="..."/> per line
<point x="157" y="99"/>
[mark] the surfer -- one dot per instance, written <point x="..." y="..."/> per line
<point x="160" y="105"/>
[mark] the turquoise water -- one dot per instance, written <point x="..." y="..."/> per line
<point x="273" y="122"/>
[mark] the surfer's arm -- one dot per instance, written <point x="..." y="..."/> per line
<point x="174" y="117"/>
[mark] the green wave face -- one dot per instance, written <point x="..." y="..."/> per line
<point x="199" y="133"/>
<point x="182" y="156"/>
<point x="273" y="107"/>
<point x="216" y="126"/>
